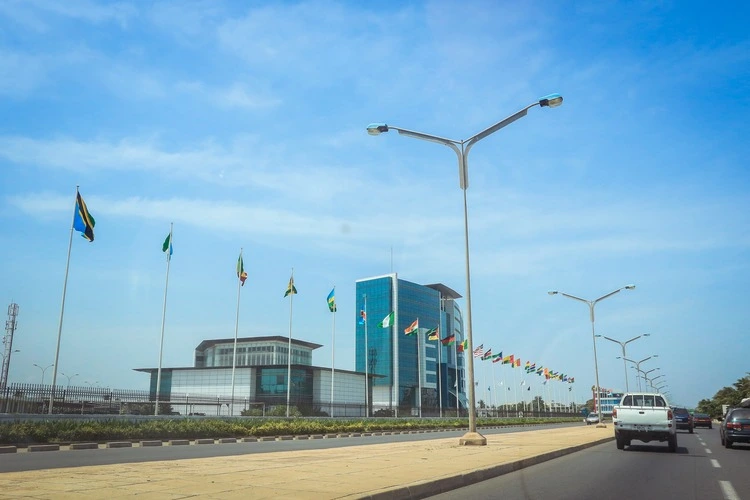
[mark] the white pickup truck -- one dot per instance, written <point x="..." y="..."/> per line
<point x="644" y="416"/>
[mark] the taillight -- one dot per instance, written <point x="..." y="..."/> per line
<point x="669" y="414"/>
<point x="614" y="413"/>
<point x="734" y="425"/>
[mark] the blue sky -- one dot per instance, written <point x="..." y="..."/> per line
<point x="244" y="124"/>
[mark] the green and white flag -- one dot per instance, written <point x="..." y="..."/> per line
<point x="167" y="246"/>
<point x="387" y="321"/>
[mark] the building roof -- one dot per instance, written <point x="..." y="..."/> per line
<point x="276" y="338"/>
<point x="445" y="291"/>
<point x="284" y="366"/>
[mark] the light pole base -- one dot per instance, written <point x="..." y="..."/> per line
<point x="472" y="439"/>
<point x="601" y="426"/>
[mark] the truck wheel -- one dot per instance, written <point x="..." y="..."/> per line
<point x="672" y="443"/>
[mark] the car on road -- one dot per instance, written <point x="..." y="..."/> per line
<point x="702" y="420"/>
<point x="592" y="418"/>
<point x="735" y="428"/>
<point x="683" y="419"/>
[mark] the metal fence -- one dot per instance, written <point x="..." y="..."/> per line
<point x="34" y="399"/>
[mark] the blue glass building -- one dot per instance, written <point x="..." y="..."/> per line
<point x="415" y="375"/>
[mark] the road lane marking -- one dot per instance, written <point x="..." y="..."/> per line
<point x="715" y="463"/>
<point x="728" y="490"/>
<point x="708" y="451"/>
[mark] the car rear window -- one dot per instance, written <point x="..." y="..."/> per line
<point x="680" y="411"/>
<point x="644" y="400"/>
<point x="740" y="413"/>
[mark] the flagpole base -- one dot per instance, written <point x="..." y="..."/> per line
<point x="472" y="439"/>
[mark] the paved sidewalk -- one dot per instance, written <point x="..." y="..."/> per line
<point x="378" y="471"/>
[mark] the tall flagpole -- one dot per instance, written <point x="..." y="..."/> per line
<point x="62" y="312"/>
<point x="367" y="373"/>
<point x="289" y="353"/>
<point x="440" y="373"/>
<point x="458" y="389"/>
<point x="419" y="372"/>
<point x="163" y="316"/>
<point x="236" y="330"/>
<point x="333" y="345"/>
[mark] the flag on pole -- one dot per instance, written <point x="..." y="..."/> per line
<point x="462" y="346"/>
<point x="167" y="246"/>
<point x="290" y="288"/>
<point x="449" y="340"/>
<point x="332" y="301"/>
<point x="82" y="220"/>
<point x="387" y="321"/>
<point x="479" y="350"/>
<point x="487" y="354"/>
<point x="362" y="316"/>
<point x="433" y="334"/>
<point x="413" y="328"/>
<point x="241" y="274"/>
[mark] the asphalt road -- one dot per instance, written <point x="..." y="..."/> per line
<point x="701" y="469"/>
<point x="21" y="461"/>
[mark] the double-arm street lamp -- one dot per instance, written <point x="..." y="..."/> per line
<point x="462" y="148"/>
<point x="638" y="365"/>
<point x="622" y="345"/>
<point x="592" y="304"/>
<point x="44" y="370"/>
<point x="69" y="377"/>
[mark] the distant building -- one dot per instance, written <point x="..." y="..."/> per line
<point x="260" y="377"/>
<point x="409" y="374"/>
<point x="609" y="399"/>
<point x="415" y="375"/>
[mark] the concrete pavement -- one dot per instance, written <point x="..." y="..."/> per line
<point x="378" y="471"/>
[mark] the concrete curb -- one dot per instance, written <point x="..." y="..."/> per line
<point x="429" y="488"/>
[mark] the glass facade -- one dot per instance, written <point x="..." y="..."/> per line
<point x="408" y="362"/>
<point x="253" y="352"/>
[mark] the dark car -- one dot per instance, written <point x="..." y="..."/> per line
<point x="702" y="420"/>
<point x="735" y="428"/>
<point x="683" y="419"/>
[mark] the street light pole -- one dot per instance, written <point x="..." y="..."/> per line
<point x="44" y="370"/>
<point x="638" y="365"/>
<point x="462" y="148"/>
<point x="622" y="345"/>
<point x="69" y="377"/>
<point x="591" y="304"/>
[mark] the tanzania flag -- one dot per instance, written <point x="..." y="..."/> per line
<point x="82" y="219"/>
<point x="241" y="274"/>
<point x="448" y="340"/>
<point x="332" y="301"/>
<point x="433" y="334"/>
<point x="413" y="328"/>
<point x="290" y="288"/>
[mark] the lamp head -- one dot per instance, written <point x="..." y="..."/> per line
<point x="553" y="292"/>
<point x="377" y="128"/>
<point x="629" y="287"/>
<point x="551" y="100"/>
<point x="646" y="334"/>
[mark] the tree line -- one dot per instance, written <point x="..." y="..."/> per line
<point x="725" y="396"/>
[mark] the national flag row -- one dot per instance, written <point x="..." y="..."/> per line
<point x="433" y="334"/>
<point x="514" y="362"/>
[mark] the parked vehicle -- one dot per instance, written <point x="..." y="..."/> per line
<point x="735" y="428"/>
<point x="645" y="417"/>
<point x="592" y="418"/>
<point x="702" y="420"/>
<point x="683" y="419"/>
